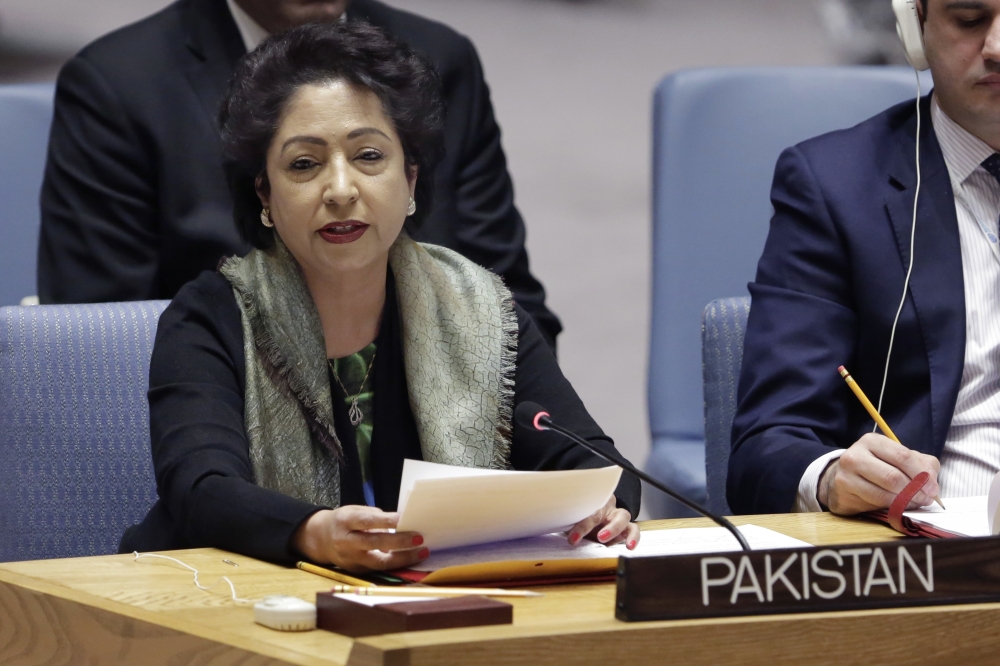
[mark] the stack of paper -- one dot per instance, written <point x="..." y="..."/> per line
<point x="487" y="525"/>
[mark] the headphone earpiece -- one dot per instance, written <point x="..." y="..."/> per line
<point x="908" y="29"/>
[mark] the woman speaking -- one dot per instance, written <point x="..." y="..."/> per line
<point x="287" y="388"/>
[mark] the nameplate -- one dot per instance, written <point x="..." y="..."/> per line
<point x="893" y="574"/>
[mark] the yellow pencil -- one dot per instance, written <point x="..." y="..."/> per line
<point x="429" y="591"/>
<point x="873" y="412"/>
<point x="333" y="575"/>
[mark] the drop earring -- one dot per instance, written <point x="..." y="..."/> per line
<point x="265" y="218"/>
<point x="412" y="208"/>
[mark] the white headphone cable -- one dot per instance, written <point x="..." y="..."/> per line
<point x="909" y="270"/>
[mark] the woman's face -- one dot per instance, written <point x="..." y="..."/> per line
<point x="339" y="184"/>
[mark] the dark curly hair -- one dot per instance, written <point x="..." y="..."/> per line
<point x="352" y="51"/>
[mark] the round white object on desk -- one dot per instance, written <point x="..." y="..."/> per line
<point x="285" y="613"/>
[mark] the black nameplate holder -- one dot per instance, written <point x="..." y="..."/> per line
<point x="892" y="574"/>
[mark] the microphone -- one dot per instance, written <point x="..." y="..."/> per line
<point x="533" y="416"/>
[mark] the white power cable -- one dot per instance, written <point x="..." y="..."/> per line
<point x="909" y="270"/>
<point x="197" y="583"/>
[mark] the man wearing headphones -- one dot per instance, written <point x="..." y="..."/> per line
<point x="905" y="204"/>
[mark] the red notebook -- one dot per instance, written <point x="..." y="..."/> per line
<point x="893" y="516"/>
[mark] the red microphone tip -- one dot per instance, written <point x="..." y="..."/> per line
<point x="538" y="426"/>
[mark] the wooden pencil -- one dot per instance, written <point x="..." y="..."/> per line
<point x="333" y="575"/>
<point x="428" y="591"/>
<point x="883" y="426"/>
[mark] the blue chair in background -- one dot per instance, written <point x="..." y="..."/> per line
<point x="717" y="135"/>
<point x="723" y="325"/>
<point x="75" y="464"/>
<point x="25" y="117"/>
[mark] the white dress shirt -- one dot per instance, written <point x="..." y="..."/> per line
<point x="971" y="455"/>
<point x="250" y="30"/>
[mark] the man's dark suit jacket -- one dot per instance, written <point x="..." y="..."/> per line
<point x="135" y="203"/>
<point x="827" y="288"/>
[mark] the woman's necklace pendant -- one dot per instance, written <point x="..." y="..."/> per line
<point x="355" y="413"/>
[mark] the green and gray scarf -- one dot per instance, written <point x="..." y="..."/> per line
<point x="459" y="334"/>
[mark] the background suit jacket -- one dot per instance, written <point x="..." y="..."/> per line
<point x="827" y="288"/>
<point x="135" y="202"/>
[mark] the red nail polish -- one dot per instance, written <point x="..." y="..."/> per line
<point x="424" y="554"/>
<point x="631" y="545"/>
<point x="573" y="538"/>
<point x="603" y="536"/>
<point x="418" y="540"/>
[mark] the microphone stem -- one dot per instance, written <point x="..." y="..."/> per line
<point x="628" y="467"/>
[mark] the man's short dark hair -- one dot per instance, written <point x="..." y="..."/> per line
<point x="351" y="51"/>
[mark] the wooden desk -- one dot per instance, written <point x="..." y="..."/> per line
<point x="113" y="610"/>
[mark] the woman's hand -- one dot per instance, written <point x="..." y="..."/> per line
<point x="609" y="525"/>
<point x="355" y="538"/>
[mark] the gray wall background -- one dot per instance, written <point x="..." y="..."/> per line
<point x="572" y="85"/>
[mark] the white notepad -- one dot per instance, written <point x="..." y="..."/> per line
<point x="964" y="516"/>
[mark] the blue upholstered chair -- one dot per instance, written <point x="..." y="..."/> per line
<point x="25" y="117"/>
<point x="723" y="326"/>
<point x="75" y="467"/>
<point x="717" y="136"/>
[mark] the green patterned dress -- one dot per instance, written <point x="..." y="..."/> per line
<point x="351" y="370"/>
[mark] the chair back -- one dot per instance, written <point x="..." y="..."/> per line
<point x="723" y="326"/>
<point x="717" y="135"/>
<point x="25" y="118"/>
<point x="75" y="464"/>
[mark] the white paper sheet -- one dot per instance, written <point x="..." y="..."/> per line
<point x="379" y="600"/>
<point x="964" y="515"/>
<point x="692" y="540"/>
<point x="992" y="502"/>
<point x="684" y="541"/>
<point x="418" y="470"/>
<point x="459" y="506"/>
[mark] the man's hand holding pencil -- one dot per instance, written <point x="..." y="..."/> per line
<point x="875" y="469"/>
<point x="872" y="472"/>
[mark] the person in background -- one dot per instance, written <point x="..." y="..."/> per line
<point x="287" y="388"/>
<point x="829" y="285"/>
<point x="135" y="202"/>
<point x="862" y="31"/>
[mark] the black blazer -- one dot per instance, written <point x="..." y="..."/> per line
<point x="135" y="203"/>
<point x="826" y="292"/>
<point x="204" y="476"/>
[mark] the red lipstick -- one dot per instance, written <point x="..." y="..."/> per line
<point x="347" y="231"/>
